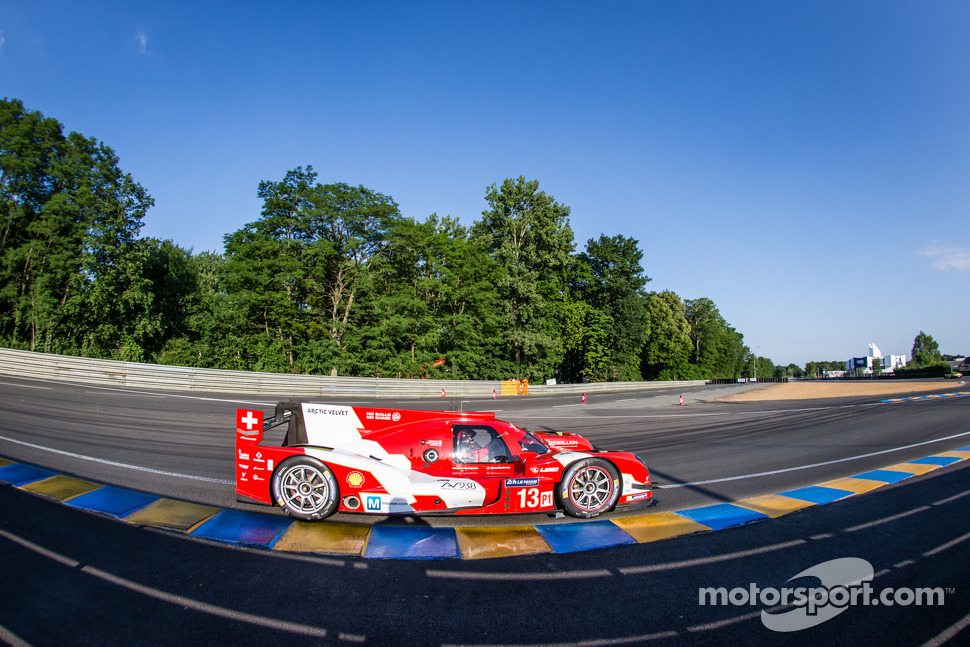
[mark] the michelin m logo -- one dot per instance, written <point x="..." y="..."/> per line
<point x="373" y="503"/>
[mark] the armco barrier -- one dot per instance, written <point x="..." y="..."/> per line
<point x="102" y="372"/>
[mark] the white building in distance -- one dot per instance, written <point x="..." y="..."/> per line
<point x="864" y="365"/>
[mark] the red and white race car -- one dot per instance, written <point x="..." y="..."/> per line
<point x="399" y="461"/>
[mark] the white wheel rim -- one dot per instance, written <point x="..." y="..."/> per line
<point x="304" y="489"/>
<point x="591" y="488"/>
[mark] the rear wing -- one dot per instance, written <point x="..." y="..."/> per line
<point x="311" y="423"/>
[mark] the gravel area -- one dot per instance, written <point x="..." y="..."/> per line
<point x="816" y="390"/>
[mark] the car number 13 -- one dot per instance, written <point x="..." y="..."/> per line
<point x="533" y="498"/>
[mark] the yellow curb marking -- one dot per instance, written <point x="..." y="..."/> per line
<point x="484" y="543"/>
<point x="335" y="538"/>
<point x="773" y="505"/>
<point x="653" y="527"/>
<point x="62" y="488"/>
<point x="168" y="513"/>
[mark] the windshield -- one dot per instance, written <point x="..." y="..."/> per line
<point x="530" y="443"/>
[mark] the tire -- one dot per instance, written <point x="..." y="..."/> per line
<point x="306" y="489"/>
<point x="589" y="488"/>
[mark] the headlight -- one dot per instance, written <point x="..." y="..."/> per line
<point x="645" y="470"/>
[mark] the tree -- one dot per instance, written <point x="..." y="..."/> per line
<point x="667" y="351"/>
<point x="298" y="270"/>
<point x="527" y="233"/>
<point x="610" y="280"/>
<point x="173" y="280"/>
<point x="794" y="370"/>
<point x="70" y="269"/>
<point x="217" y="332"/>
<point x="584" y="342"/>
<point x="433" y="297"/>
<point x="926" y="352"/>
<point x="265" y="269"/>
<point x="758" y="367"/>
<point x="349" y="229"/>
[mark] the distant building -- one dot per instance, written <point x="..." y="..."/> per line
<point x="865" y="365"/>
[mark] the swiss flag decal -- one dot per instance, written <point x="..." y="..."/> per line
<point x="249" y="422"/>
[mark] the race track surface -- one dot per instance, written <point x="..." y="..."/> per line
<point x="701" y="455"/>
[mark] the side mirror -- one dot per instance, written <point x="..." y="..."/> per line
<point x="527" y="459"/>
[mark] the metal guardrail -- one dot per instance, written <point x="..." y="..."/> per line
<point x="102" y="372"/>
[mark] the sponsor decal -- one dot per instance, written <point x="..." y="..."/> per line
<point x="547" y="499"/>
<point x="248" y="420"/>
<point x="242" y="467"/>
<point x="355" y="479"/>
<point x="243" y="456"/>
<point x="433" y="443"/>
<point x="383" y="415"/>
<point x="510" y="483"/>
<point x="563" y="444"/>
<point x="459" y="485"/>
<point x="322" y="411"/>
<point x="257" y="477"/>
<point x="372" y="503"/>
<point x="638" y="497"/>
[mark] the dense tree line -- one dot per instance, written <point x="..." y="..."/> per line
<point x="332" y="279"/>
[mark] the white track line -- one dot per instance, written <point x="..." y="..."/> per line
<point x="805" y="467"/>
<point x="116" y="464"/>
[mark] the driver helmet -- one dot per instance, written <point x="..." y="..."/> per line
<point x="466" y="440"/>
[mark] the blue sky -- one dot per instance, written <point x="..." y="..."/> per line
<point x="805" y="165"/>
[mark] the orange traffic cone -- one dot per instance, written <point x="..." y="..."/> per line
<point x="443" y="393"/>
<point x="681" y="400"/>
<point x="584" y="398"/>
<point x="494" y="395"/>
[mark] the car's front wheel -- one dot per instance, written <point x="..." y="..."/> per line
<point x="306" y="489"/>
<point x="589" y="488"/>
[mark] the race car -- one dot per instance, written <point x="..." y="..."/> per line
<point x="399" y="461"/>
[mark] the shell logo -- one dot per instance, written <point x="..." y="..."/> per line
<point x="355" y="479"/>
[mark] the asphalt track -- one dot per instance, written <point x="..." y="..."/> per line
<point x="72" y="577"/>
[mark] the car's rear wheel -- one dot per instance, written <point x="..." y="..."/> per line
<point x="589" y="488"/>
<point x="306" y="489"/>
